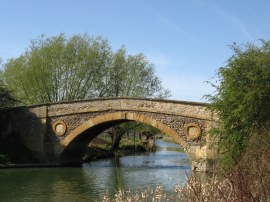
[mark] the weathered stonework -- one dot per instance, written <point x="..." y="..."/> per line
<point x="59" y="132"/>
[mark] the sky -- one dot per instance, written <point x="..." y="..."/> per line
<point x="186" y="40"/>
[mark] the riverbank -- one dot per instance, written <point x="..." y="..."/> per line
<point x="100" y="148"/>
<point x="30" y="165"/>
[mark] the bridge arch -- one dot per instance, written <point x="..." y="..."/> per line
<point x="77" y="139"/>
<point x="53" y="131"/>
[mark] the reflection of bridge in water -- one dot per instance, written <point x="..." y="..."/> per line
<point x="59" y="132"/>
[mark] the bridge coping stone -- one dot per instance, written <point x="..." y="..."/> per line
<point x="188" y="109"/>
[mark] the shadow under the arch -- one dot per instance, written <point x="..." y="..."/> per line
<point x="74" y="151"/>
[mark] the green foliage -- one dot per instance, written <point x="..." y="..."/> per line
<point x="138" y="127"/>
<point x="242" y="99"/>
<point x="141" y="127"/>
<point x="58" y="69"/>
<point x="133" y="75"/>
<point x="3" y="159"/>
<point x="6" y="97"/>
<point x="117" y="132"/>
<point x="55" y="69"/>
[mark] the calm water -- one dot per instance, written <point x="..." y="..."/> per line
<point x="164" y="167"/>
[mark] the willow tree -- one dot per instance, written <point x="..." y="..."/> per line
<point x="59" y="68"/>
<point x="132" y="75"/>
<point x="56" y="69"/>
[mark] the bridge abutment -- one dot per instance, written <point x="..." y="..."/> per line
<point x="203" y="158"/>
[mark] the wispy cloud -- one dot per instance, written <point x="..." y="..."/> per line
<point x="246" y="32"/>
<point x="236" y="21"/>
<point x="172" y="25"/>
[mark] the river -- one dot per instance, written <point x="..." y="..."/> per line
<point x="168" y="166"/>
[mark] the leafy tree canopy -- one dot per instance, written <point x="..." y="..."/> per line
<point x="242" y="98"/>
<point x="6" y="99"/>
<point x="60" y="68"/>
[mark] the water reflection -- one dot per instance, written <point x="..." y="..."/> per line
<point x="45" y="184"/>
<point x="164" y="167"/>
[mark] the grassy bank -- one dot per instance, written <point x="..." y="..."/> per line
<point x="101" y="148"/>
<point x="167" y="139"/>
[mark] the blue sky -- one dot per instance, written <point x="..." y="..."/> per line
<point x="187" y="40"/>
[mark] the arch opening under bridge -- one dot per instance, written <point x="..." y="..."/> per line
<point x="77" y="140"/>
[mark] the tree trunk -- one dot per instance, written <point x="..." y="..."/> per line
<point x="116" y="136"/>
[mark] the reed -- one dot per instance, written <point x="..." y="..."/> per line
<point x="249" y="180"/>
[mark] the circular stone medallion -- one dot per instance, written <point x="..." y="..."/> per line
<point x="192" y="131"/>
<point x="59" y="127"/>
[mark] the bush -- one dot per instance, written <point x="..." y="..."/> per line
<point x="242" y="99"/>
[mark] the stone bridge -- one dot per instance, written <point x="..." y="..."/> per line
<point x="60" y="132"/>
